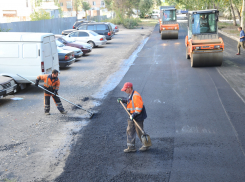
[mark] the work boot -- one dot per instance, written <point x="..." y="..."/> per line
<point x="143" y="148"/>
<point x="47" y="113"/>
<point x="130" y="149"/>
<point x="63" y="112"/>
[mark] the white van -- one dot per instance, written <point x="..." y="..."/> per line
<point x="27" y="54"/>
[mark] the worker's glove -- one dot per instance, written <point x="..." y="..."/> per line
<point x="131" y="117"/>
<point x="55" y="92"/>
<point x="122" y="100"/>
<point x="37" y="82"/>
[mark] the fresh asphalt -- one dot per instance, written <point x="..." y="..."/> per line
<point x="195" y="120"/>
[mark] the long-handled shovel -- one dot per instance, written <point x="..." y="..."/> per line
<point x="146" y="140"/>
<point x="90" y="113"/>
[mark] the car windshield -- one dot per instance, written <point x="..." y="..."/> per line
<point x="68" y="39"/>
<point x="204" y="23"/>
<point x="169" y="15"/>
<point x="59" y="44"/>
<point x="93" y="33"/>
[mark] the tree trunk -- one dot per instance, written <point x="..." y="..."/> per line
<point x="239" y="16"/>
<point x="233" y="14"/>
<point x="243" y="15"/>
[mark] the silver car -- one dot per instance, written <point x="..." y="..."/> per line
<point x="78" y="52"/>
<point x="7" y="86"/>
<point x="114" y="28"/>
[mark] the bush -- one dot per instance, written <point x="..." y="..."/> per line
<point x="127" y="22"/>
<point x="4" y="30"/>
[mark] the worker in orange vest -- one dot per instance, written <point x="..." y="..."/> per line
<point x="137" y="110"/>
<point x="51" y="83"/>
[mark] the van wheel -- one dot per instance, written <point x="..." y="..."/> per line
<point x="91" y="43"/>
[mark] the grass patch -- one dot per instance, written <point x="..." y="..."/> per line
<point x="148" y="22"/>
<point x="129" y="23"/>
<point x="222" y="25"/>
<point x="234" y="32"/>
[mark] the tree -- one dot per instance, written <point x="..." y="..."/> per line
<point x="40" y="15"/>
<point x="233" y="14"/>
<point x="243" y="15"/>
<point x="86" y="6"/>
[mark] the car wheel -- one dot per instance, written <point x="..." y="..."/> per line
<point x="91" y="43"/>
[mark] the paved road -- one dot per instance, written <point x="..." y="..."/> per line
<point x="195" y="120"/>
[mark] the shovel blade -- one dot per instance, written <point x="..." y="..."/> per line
<point x="146" y="140"/>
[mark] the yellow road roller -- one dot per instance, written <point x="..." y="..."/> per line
<point x="203" y="46"/>
<point x="169" y="28"/>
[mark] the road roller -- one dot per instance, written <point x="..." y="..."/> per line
<point x="203" y="46"/>
<point x="169" y="28"/>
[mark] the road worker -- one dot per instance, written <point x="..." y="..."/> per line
<point x="241" y="42"/>
<point x="137" y="110"/>
<point x="51" y="83"/>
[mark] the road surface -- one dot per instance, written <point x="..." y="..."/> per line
<point x="195" y="120"/>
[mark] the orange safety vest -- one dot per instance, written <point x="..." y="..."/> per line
<point x="50" y="84"/>
<point x="135" y="103"/>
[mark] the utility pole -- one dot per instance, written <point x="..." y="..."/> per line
<point x="243" y="15"/>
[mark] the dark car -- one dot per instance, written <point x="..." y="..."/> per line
<point x="100" y="28"/>
<point x="66" y="58"/>
<point x="7" y="86"/>
<point x="78" y="52"/>
<point x="68" y="41"/>
<point x="78" y="23"/>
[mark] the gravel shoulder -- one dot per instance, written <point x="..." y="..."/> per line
<point x="34" y="146"/>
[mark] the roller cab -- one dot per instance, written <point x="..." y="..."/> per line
<point x="169" y="28"/>
<point x="203" y="46"/>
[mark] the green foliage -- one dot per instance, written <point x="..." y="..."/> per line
<point x="56" y="2"/>
<point x="145" y="6"/>
<point x="38" y="3"/>
<point x="127" y="22"/>
<point x="4" y="30"/>
<point x="40" y="15"/>
<point x="86" y="6"/>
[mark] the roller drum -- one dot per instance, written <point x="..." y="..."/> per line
<point x="206" y="58"/>
<point x="169" y="34"/>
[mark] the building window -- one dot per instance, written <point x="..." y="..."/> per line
<point x="69" y="4"/>
<point x="61" y="4"/>
<point x="94" y="4"/>
<point x="102" y="3"/>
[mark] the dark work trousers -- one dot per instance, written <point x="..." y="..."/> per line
<point x="132" y="129"/>
<point x="56" y="101"/>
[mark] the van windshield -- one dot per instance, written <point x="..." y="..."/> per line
<point x="68" y="39"/>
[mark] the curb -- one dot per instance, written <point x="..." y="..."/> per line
<point x="228" y="35"/>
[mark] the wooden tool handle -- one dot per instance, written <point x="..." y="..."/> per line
<point x="133" y="119"/>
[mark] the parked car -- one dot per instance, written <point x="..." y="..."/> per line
<point x="89" y="37"/>
<point x="66" y="58"/>
<point x="78" y="23"/>
<point x="78" y="52"/>
<point x="66" y="32"/>
<point x="27" y="54"/>
<point x="100" y="28"/>
<point x="7" y="86"/>
<point x="68" y="41"/>
<point x="114" y="28"/>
